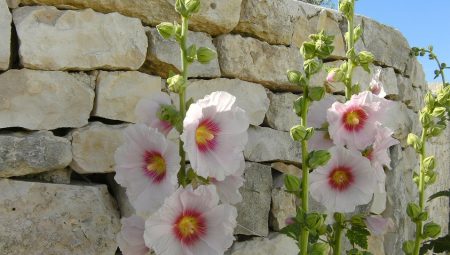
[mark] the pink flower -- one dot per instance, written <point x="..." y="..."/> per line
<point x="147" y="165"/>
<point x="345" y="182"/>
<point x="330" y="76"/>
<point x="318" y="119"/>
<point x="191" y="223"/>
<point x="214" y="136"/>
<point x="379" y="225"/>
<point x="147" y="112"/>
<point x="376" y="86"/>
<point x="131" y="236"/>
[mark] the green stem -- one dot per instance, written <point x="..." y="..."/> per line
<point x="442" y="71"/>
<point x="419" y="225"/>
<point x="351" y="45"/>
<point x="337" y="240"/>
<point x="304" y="234"/>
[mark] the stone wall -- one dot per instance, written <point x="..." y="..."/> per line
<point x="72" y="72"/>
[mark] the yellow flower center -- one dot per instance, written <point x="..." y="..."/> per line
<point x="188" y="226"/>
<point x="340" y="177"/>
<point x="352" y="118"/>
<point x="203" y="135"/>
<point x="156" y="165"/>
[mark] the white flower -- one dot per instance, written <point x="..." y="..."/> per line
<point x="228" y="189"/>
<point x="147" y="112"/>
<point x="131" y="237"/>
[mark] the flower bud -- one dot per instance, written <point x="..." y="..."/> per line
<point x="298" y="133"/>
<point x="166" y="30"/>
<point x="180" y="7"/>
<point x="308" y="50"/>
<point x="430" y="177"/>
<point x="335" y="75"/>
<point x="339" y="217"/>
<point x="294" y="76"/>
<point x="429" y="163"/>
<point x="429" y="100"/>
<point x="191" y="53"/>
<point x="319" y="249"/>
<point x="205" y="55"/>
<point x="438" y="112"/>
<point x="316" y="93"/>
<point x="298" y="104"/>
<point x="414" y="141"/>
<point x="323" y="50"/>
<point x="413" y="211"/>
<point x="408" y="247"/>
<point x="312" y="66"/>
<point x="431" y="230"/>
<point x="365" y="57"/>
<point x="292" y="183"/>
<point x="435" y="130"/>
<point x="357" y="32"/>
<point x="175" y="83"/>
<point x="313" y="221"/>
<point x="425" y="119"/>
<point x="346" y="7"/>
<point x="192" y="6"/>
<point x="318" y="158"/>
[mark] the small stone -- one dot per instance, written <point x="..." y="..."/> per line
<point x="164" y="56"/>
<point x="417" y="75"/>
<point x="286" y="168"/>
<point x="80" y="40"/>
<point x="5" y="35"/>
<point x="39" y="100"/>
<point x="283" y="207"/>
<point x="119" y="92"/>
<point x="417" y="102"/>
<point x="22" y="154"/>
<point x="376" y="245"/>
<point x="281" y="115"/>
<point x="61" y="176"/>
<point x="276" y="243"/>
<point x="44" y="218"/>
<point x="93" y="147"/>
<point x="253" y="211"/>
<point x="13" y="3"/>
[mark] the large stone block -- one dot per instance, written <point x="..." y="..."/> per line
<point x="117" y="93"/>
<point x="93" y="147"/>
<point x="281" y="115"/>
<point x="283" y="207"/>
<point x="5" y="35"/>
<point x="252" y="60"/>
<point x="22" y="154"/>
<point x="164" y="56"/>
<point x="400" y="120"/>
<point x="43" y="218"/>
<point x="45" y="99"/>
<point x="276" y="243"/>
<point x="79" y="40"/>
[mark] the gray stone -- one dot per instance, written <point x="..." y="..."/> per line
<point x="164" y="56"/>
<point x="117" y="93"/>
<point x="281" y="115"/>
<point x="417" y="102"/>
<point x="282" y="208"/>
<point x="406" y="90"/>
<point x="119" y="192"/>
<point x="399" y="119"/>
<point x="80" y="40"/>
<point x="275" y="244"/>
<point x="417" y="75"/>
<point x="266" y="144"/>
<point x="252" y="60"/>
<point x="61" y="176"/>
<point x="93" y="147"/>
<point x="43" y="218"/>
<point x="45" y="99"/>
<point x="5" y="35"/>
<point x="22" y="154"/>
<point x="253" y="211"/>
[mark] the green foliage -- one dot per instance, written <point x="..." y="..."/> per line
<point x="443" y="193"/>
<point x="438" y="245"/>
<point x="357" y="235"/>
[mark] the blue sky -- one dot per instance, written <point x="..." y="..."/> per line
<point x="422" y="22"/>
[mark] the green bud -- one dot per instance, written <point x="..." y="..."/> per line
<point x="414" y="141"/>
<point x="416" y="178"/>
<point x="335" y="75"/>
<point x="191" y="53"/>
<point x="365" y="57"/>
<point x="357" y="32"/>
<point x="425" y="119"/>
<point x="435" y="130"/>
<point x="413" y="211"/>
<point x="312" y="66"/>
<point x="308" y="50"/>
<point x="323" y="50"/>
<point x="347" y="8"/>
<point x="431" y="230"/>
<point x="408" y="247"/>
<point x="313" y="221"/>
<point x="180" y="7"/>
<point x="298" y="104"/>
<point x="175" y="83"/>
<point x="192" y="6"/>
<point x="316" y="93"/>
<point x="205" y="55"/>
<point x="298" y="133"/>
<point x="429" y="163"/>
<point x="309" y="133"/>
<point x="319" y="249"/>
<point x="356" y="89"/>
<point x="318" y="158"/>
<point x="430" y="177"/>
<point x="438" y="112"/>
<point x="292" y="183"/>
<point x="339" y="217"/>
<point x="423" y="216"/>
<point x="294" y="76"/>
<point x="322" y="229"/>
<point x="166" y="30"/>
<point x="429" y="100"/>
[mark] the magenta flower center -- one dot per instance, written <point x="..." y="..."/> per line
<point x="354" y="119"/>
<point x="189" y="227"/>
<point x="340" y="178"/>
<point x="206" y="134"/>
<point x="155" y="166"/>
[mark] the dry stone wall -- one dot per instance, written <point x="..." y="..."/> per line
<point x="72" y="72"/>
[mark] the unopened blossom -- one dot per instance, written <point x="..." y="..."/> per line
<point x="147" y="165"/>
<point x="378" y="225"/>
<point x="131" y="236"/>
<point x="376" y="86"/>
<point x="347" y="180"/>
<point x="147" y="110"/>
<point x="215" y="134"/>
<point x="318" y="119"/>
<point x="191" y="222"/>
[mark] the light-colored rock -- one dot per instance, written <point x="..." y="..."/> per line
<point x="61" y="176"/>
<point x="253" y="211"/>
<point x="399" y="120"/>
<point x="417" y="75"/>
<point x="281" y="115"/>
<point x="164" y="56"/>
<point x="80" y="40"/>
<point x="282" y="208"/>
<point x="252" y="60"/>
<point x="22" y="154"/>
<point x="375" y="244"/>
<point x="405" y="90"/>
<point x="43" y="218"/>
<point x="5" y="35"/>
<point x="215" y="17"/>
<point x="13" y="3"/>
<point x="117" y="93"/>
<point x="44" y="99"/>
<point x="417" y="102"/>
<point x="119" y="193"/>
<point x="379" y="202"/>
<point x="286" y="168"/>
<point x="275" y="244"/>
<point x="93" y="147"/>
<point x="266" y="144"/>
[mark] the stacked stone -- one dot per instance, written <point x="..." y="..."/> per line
<point x="72" y="79"/>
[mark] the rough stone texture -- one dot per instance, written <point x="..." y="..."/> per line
<point x="93" y="147"/>
<point x="266" y="144"/>
<point x="119" y="192"/>
<point x="401" y="120"/>
<point x="286" y="168"/>
<point x="80" y="40"/>
<point x="253" y="211"/>
<point x="22" y="154"/>
<point x="281" y="115"/>
<point x="45" y="100"/>
<point x="215" y="17"/>
<point x="42" y="218"/>
<point x="119" y="92"/>
<point x="405" y="89"/>
<point x="417" y="75"/>
<point x="61" y="176"/>
<point x="13" y="3"/>
<point x="282" y="208"/>
<point x="164" y="55"/>
<point x="5" y="35"/>
<point x="275" y="244"/>
<point x="258" y="61"/>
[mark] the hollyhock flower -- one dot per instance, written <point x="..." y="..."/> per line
<point x="147" y="111"/>
<point x="318" y="119"/>
<point x="214" y="136"/>
<point x="147" y="165"/>
<point x="131" y="236"/>
<point x="191" y="223"/>
<point x="228" y="189"/>
<point x="378" y="225"/>
<point x="376" y="86"/>
<point x="346" y="181"/>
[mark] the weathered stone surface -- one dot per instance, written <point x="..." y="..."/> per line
<point x="417" y="75"/>
<point x="93" y="147"/>
<point x="13" y="3"/>
<point x="281" y="115"/>
<point x="61" y="176"/>
<point x="5" y="35"/>
<point x="286" y="168"/>
<point x="80" y="40"/>
<point x="253" y="211"/>
<point x="44" y="100"/>
<point x="266" y="144"/>
<point x="42" y="218"/>
<point x="164" y="56"/>
<point x="400" y="120"/>
<point x="417" y="102"/>
<point x="405" y="90"/>
<point x="119" y="192"/>
<point x="22" y="154"/>
<point x="215" y="17"/>
<point x="252" y="60"/>
<point x="117" y="93"/>
<point x="275" y="244"/>
<point x="378" y="202"/>
<point x="283" y="207"/>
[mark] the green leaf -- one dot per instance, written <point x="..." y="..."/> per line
<point x="443" y="193"/>
<point x="438" y="245"/>
<point x="292" y="230"/>
<point x="358" y="235"/>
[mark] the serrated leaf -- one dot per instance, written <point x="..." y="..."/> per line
<point x="358" y="235"/>
<point x="292" y="230"/>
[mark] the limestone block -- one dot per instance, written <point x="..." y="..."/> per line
<point x="80" y="40"/>
<point x="281" y="115"/>
<point x="45" y="99"/>
<point x="5" y="35"/>
<point x="417" y="75"/>
<point x="13" y="3"/>
<point x="283" y="207"/>
<point x="43" y="218"/>
<point x="93" y="147"/>
<point x="286" y="168"/>
<point x="61" y="176"/>
<point x="400" y="120"/>
<point x="22" y="154"/>
<point x="117" y="93"/>
<point x="275" y="244"/>
<point x="406" y="90"/>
